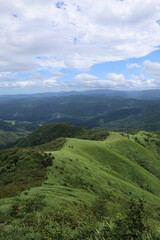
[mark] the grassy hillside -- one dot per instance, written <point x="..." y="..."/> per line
<point x="95" y="167"/>
<point x="87" y="181"/>
<point x="49" y="132"/>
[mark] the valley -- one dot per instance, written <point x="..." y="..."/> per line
<point x="103" y="110"/>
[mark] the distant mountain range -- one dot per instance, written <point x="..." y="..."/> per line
<point x="141" y="94"/>
<point x="99" y="109"/>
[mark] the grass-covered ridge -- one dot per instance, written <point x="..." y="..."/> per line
<point x="52" y="131"/>
<point x="95" y="167"/>
<point x="80" y="180"/>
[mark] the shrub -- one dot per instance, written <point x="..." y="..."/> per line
<point x="133" y="226"/>
<point x="18" y="233"/>
<point x="20" y="207"/>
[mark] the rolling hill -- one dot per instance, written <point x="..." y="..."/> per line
<point x="52" y="131"/>
<point x="82" y="175"/>
<point x="103" y="111"/>
<point x="11" y="131"/>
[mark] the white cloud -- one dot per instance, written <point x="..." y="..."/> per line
<point x="141" y="82"/>
<point x="51" y="82"/>
<point x="86" y="81"/>
<point x="86" y="77"/>
<point x="24" y="84"/>
<point x="76" y="62"/>
<point x="77" y="35"/>
<point x="112" y="81"/>
<point x="115" y="77"/>
<point x="57" y="73"/>
<point x="18" y="84"/>
<point x="47" y="35"/>
<point x="132" y="65"/>
<point x="152" y="69"/>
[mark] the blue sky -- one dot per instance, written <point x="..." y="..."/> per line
<point x="79" y="45"/>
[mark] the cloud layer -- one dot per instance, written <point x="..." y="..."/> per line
<point x="85" y="81"/>
<point x="41" y="35"/>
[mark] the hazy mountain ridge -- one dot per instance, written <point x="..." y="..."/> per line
<point x="21" y="114"/>
<point x="76" y="109"/>
<point x="139" y="94"/>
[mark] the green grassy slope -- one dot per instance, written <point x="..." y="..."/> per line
<point x="136" y="150"/>
<point x="92" y="166"/>
<point x="113" y="171"/>
<point x="118" y="165"/>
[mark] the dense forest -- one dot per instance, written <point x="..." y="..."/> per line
<point x="103" y="110"/>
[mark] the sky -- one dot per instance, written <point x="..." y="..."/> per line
<point x="50" y="45"/>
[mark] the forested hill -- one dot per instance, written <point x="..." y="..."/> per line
<point x="108" y="112"/>
<point x="52" y="131"/>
